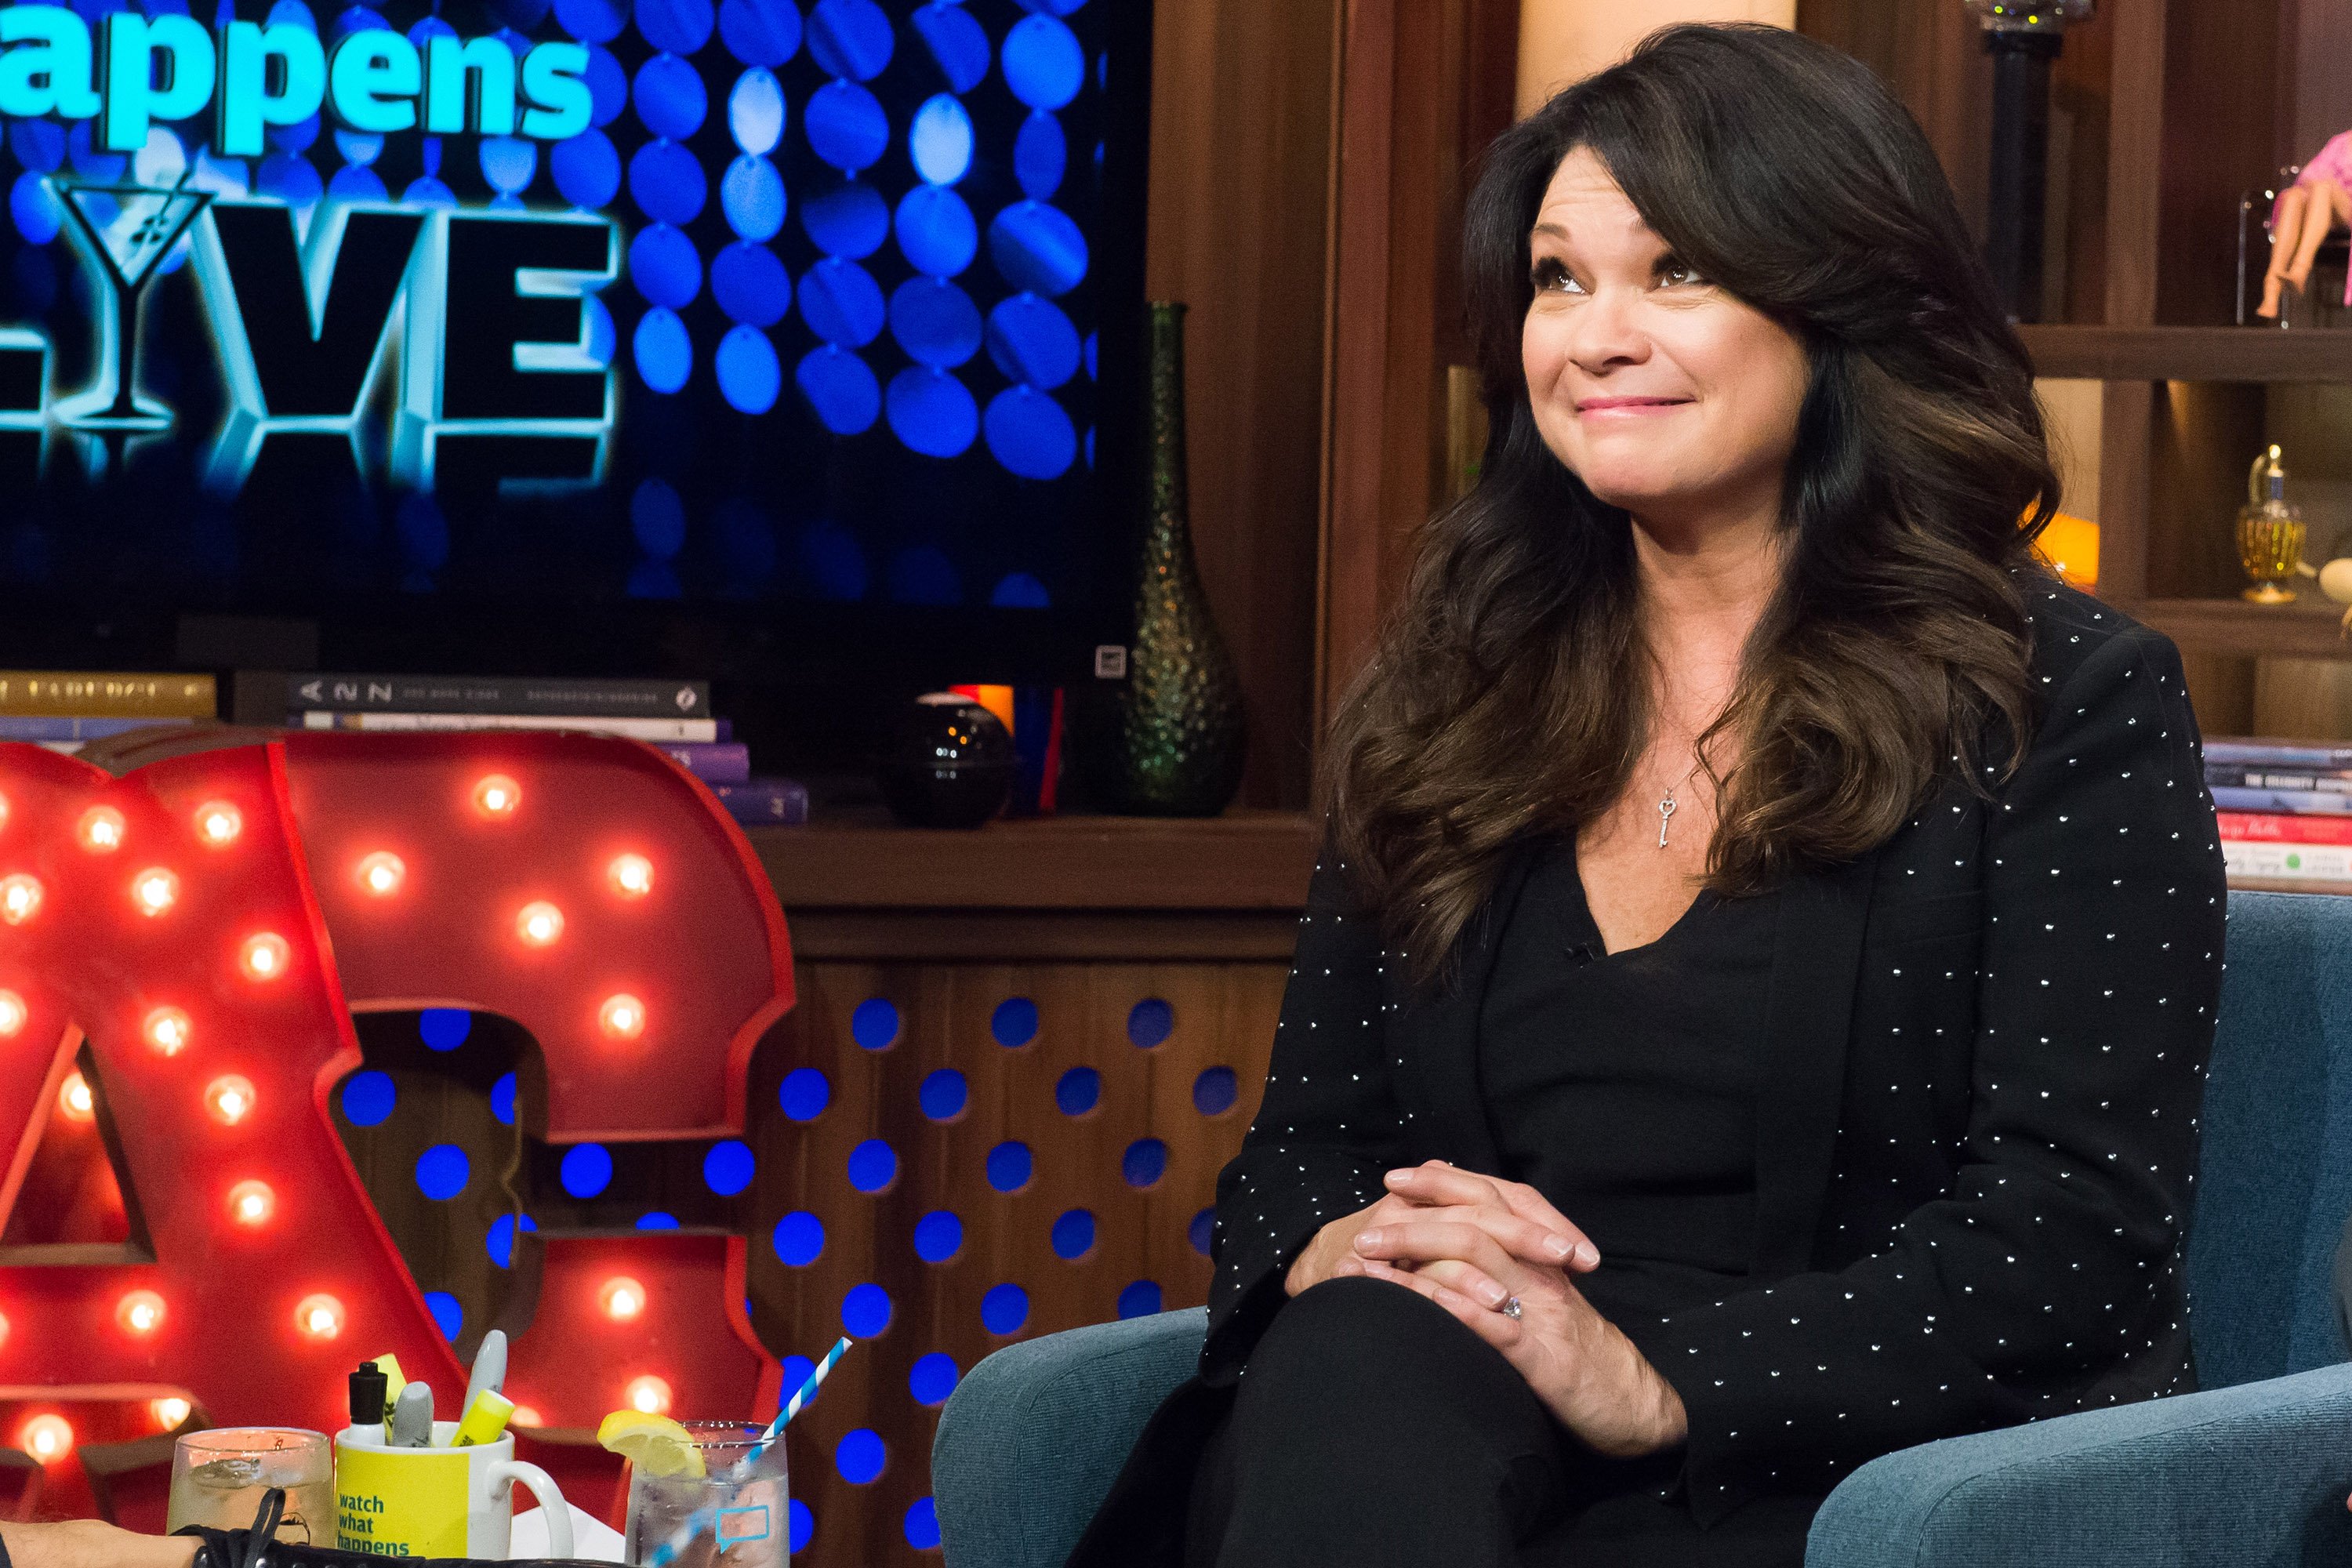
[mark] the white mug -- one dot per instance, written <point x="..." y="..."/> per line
<point x="439" y="1502"/>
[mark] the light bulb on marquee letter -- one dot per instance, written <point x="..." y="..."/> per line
<point x="252" y="1203"/>
<point x="20" y="895"/>
<point x="270" y="942"/>
<point x="632" y="875"/>
<point x="622" y="1298"/>
<point x="381" y="873"/>
<point x="497" y="796"/>
<point x="47" y="1437"/>
<point x="154" y="890"/>
<point x="218" y="822"/>
<point x="264" y="955"/>
<point x="228" y="1097"/>
<point x="622" y="1017"/>
<point x="101" y="830"/>
<point x="169" y="1412"/>
<point x="168" y="1030"/>
<point x="139" y="1312"/>
<point x="320" y="1316"/>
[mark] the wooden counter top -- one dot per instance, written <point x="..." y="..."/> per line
<point x="1244" y="860"/>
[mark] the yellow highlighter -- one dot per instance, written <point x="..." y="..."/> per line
<point x="392" y="1384"/>
<point x="485" y="1420"/>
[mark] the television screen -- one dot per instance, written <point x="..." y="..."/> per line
<point x="672" y="337"/>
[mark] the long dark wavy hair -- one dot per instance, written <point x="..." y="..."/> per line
<point x="1510" y="694"/>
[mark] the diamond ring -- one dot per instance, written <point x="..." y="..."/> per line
<point x="1510" y="1309"/>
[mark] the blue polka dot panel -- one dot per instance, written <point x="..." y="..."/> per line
<point x="430" y="1119"/>
<point x="443" y="1171"/>
<point x="587" y="1170"/>
<point x="875" y="1024"/>
<point x="727" y="1169"/>
<point x="447" y="1311"/>
<point x="1006" y="1153"/>
<point x="936" y="1161"/>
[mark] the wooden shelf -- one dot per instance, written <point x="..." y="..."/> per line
<point x="1244" y="860"/>
<point x="2304" y="629"/>
<point x="2190" y="353"/>
<point x="2287" y="885"/>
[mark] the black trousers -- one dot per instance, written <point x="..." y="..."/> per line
<point x="1370" y="1428"/>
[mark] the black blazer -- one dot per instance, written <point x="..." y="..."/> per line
<point x="1986" y="1047"/>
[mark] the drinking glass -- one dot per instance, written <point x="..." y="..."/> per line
<point x="219" y="1478"/>
<point x="731" y="1516"/>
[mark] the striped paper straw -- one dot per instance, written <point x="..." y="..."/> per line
<point x="706" y="1519"/>
<point x="807" y="1392"/>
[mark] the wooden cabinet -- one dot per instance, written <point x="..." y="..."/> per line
<point x="1095" y="997"/>
<point x="2167" y="117"/>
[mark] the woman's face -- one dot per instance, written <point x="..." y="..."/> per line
<point x="1666" y="395"/>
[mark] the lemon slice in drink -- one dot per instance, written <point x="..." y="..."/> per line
<point x="653" y="1444"/>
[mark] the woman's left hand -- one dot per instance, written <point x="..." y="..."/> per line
<point x="1583" y="1368"/>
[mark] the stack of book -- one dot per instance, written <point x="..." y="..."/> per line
<point x="672" y="715"/>
<point x="2284" y="807"/>
<point x="67" y="710"/>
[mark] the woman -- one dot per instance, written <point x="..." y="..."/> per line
<point x="1751" y="1014"/>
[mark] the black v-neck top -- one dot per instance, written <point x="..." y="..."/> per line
<point x="1623" y="1086"/>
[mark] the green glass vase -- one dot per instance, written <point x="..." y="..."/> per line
<point x="1171" y="741"/>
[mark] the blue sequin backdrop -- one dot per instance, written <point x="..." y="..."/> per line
<point x="853" y="329"/>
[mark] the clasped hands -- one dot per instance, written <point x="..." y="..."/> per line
<point x="1471" y="1242"/>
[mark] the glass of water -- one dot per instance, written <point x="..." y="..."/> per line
<point x="731" y="1516"/>
<point x="218" y="1479"/>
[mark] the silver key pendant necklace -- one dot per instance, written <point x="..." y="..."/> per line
<point x="1666" y="803"/>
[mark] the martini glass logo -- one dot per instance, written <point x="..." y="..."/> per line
<point x="126" y="231"/>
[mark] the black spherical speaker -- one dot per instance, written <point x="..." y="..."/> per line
<point x="950" y="763"/>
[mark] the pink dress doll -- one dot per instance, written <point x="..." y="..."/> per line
<point x="2319" y="200"/>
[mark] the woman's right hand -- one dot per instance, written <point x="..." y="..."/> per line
<point x="1513" y="1212"/>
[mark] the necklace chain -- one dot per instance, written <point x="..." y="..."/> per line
<point x="1666" y="802"/>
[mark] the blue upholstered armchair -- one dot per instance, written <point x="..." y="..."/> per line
<point x="2251" y="1471"/>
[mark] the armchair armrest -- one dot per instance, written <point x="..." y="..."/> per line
<point x="1033" y="1435"/>
<point x="2250" y="1474"/>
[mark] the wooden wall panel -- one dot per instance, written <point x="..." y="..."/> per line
<point x="2204" y="434"/>
<point x="2135" y="162"/>
<point x="2220" y="692"/>
<point x="2136" y="51"/>
<point x="2226" y="86"/>
<point x="1933" y="56"/>
<point x="1356" y="429"/>
<point x="1240" y="191"/>
<point x="1562" y="41"/>
<point x="2316" y="100"/>
<point x="1423" y="86"/>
